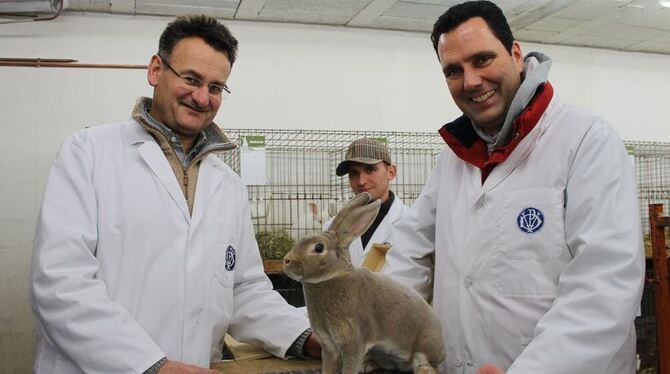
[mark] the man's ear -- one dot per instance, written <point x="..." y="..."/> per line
<point x="517" y="55"/>
<point x="154" y="70"/>
<point x="392" y="172"/>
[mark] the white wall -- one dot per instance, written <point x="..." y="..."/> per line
<point x="287" y="76"/>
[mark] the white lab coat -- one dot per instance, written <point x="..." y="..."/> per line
<point x="123" y="275"/>
<point x="383" y="233"/>
<point x="560" y="300"/>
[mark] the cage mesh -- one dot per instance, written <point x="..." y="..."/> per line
<point x="301" y="180"/>
<point x="652" y="167"/>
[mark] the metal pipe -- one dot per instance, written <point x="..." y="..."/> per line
<point x="60" y="10"/>
<point x="34" y="17"/>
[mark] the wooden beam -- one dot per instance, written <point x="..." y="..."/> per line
<point x="45" y="64"/>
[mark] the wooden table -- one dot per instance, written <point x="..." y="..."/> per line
<point x="266" y="365"/>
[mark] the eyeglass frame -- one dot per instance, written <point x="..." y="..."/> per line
<point x="196" y="82"/>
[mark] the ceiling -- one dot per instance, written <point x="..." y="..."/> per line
<point x="626" y="25"/>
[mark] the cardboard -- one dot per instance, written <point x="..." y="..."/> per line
<point x="376" y="258"/>
<point x="242" y="351"/>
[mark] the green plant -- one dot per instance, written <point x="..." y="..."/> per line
<point x="274" y="245"/>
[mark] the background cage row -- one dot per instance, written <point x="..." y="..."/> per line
<point x="301" y="190"/>
<point x="300" y="173"/>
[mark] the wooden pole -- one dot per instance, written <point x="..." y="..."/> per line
<point x="35" y="60"/>
<point x="47" y="64"/>
<point x="657" y="225"/>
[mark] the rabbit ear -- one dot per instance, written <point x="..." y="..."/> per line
<point x="355" y="202"/>
<point x="314" y="209"/>
<point x="332" y="209"/>
<point x="352" y="221"/>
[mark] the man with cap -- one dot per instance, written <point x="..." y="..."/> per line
<point x="368" y="164"/>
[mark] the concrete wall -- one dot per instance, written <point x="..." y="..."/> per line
<point x="287" y="76"/>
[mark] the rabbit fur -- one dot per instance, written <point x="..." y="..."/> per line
<point x="355" y="311"/>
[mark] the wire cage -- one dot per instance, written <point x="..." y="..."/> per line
<point x="301" y="191"/>
<point x="652" y="167"/>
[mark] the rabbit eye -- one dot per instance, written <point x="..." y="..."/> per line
<point x="318" y="247"/>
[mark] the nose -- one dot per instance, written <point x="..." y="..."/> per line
<point x="201" y="95"/>
<point x="471" y="79"/>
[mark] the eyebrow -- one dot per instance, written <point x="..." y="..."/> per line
<point x="482" y="54"/>
<point x="449" y="67"/>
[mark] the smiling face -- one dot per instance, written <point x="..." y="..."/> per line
<point x="184" y="109"/>
<point x="481" y="74"/>
<point x="373" y="179"/>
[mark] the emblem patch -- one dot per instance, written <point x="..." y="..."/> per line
<point x="530" y="220"/>
<point x="230" y="258"/>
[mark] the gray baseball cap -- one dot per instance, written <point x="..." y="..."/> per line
<point x="366" y="151"/>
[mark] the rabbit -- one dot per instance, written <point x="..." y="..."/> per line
<point x="357" y="314"/>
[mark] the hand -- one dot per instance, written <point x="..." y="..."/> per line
<point x="312" y="346"/>
<point x="489" y="369"/>
<point x="176" y="367"/>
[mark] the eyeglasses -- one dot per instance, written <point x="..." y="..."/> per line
<point x="214" y="89"/>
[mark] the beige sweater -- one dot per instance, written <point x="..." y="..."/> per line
<point x="216" y="141"/>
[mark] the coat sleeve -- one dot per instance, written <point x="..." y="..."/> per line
<point x="411" y="258"/>
<point x="72" y="307"/>
<point x="599" y="291"/>
<point x="261" y="316"/>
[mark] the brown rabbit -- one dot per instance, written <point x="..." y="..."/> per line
<point x="356" y="312"/>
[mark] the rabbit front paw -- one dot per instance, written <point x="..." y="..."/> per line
<point x="369" y="366"/>
<point x="424" y="369"/>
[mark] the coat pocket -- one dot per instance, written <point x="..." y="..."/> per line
<point x="532" y="240"/>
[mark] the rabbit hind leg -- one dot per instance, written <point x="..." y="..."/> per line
<point x="331" y="362"/>
<point x="422" y="365"/>
<point x="387" y="357"/>
<point x="352" y="359"/>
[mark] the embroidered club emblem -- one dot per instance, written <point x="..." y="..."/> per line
<point x="230" y="258"/>
<point x="530" y="220"/>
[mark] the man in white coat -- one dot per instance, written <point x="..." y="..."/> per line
<point x="531" y="215"/>
<point x="370" y="169"/>
<point x="145" y="253"/>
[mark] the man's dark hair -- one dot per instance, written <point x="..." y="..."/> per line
<point x="460" y="13"/>
<point x="215" y="34"/>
